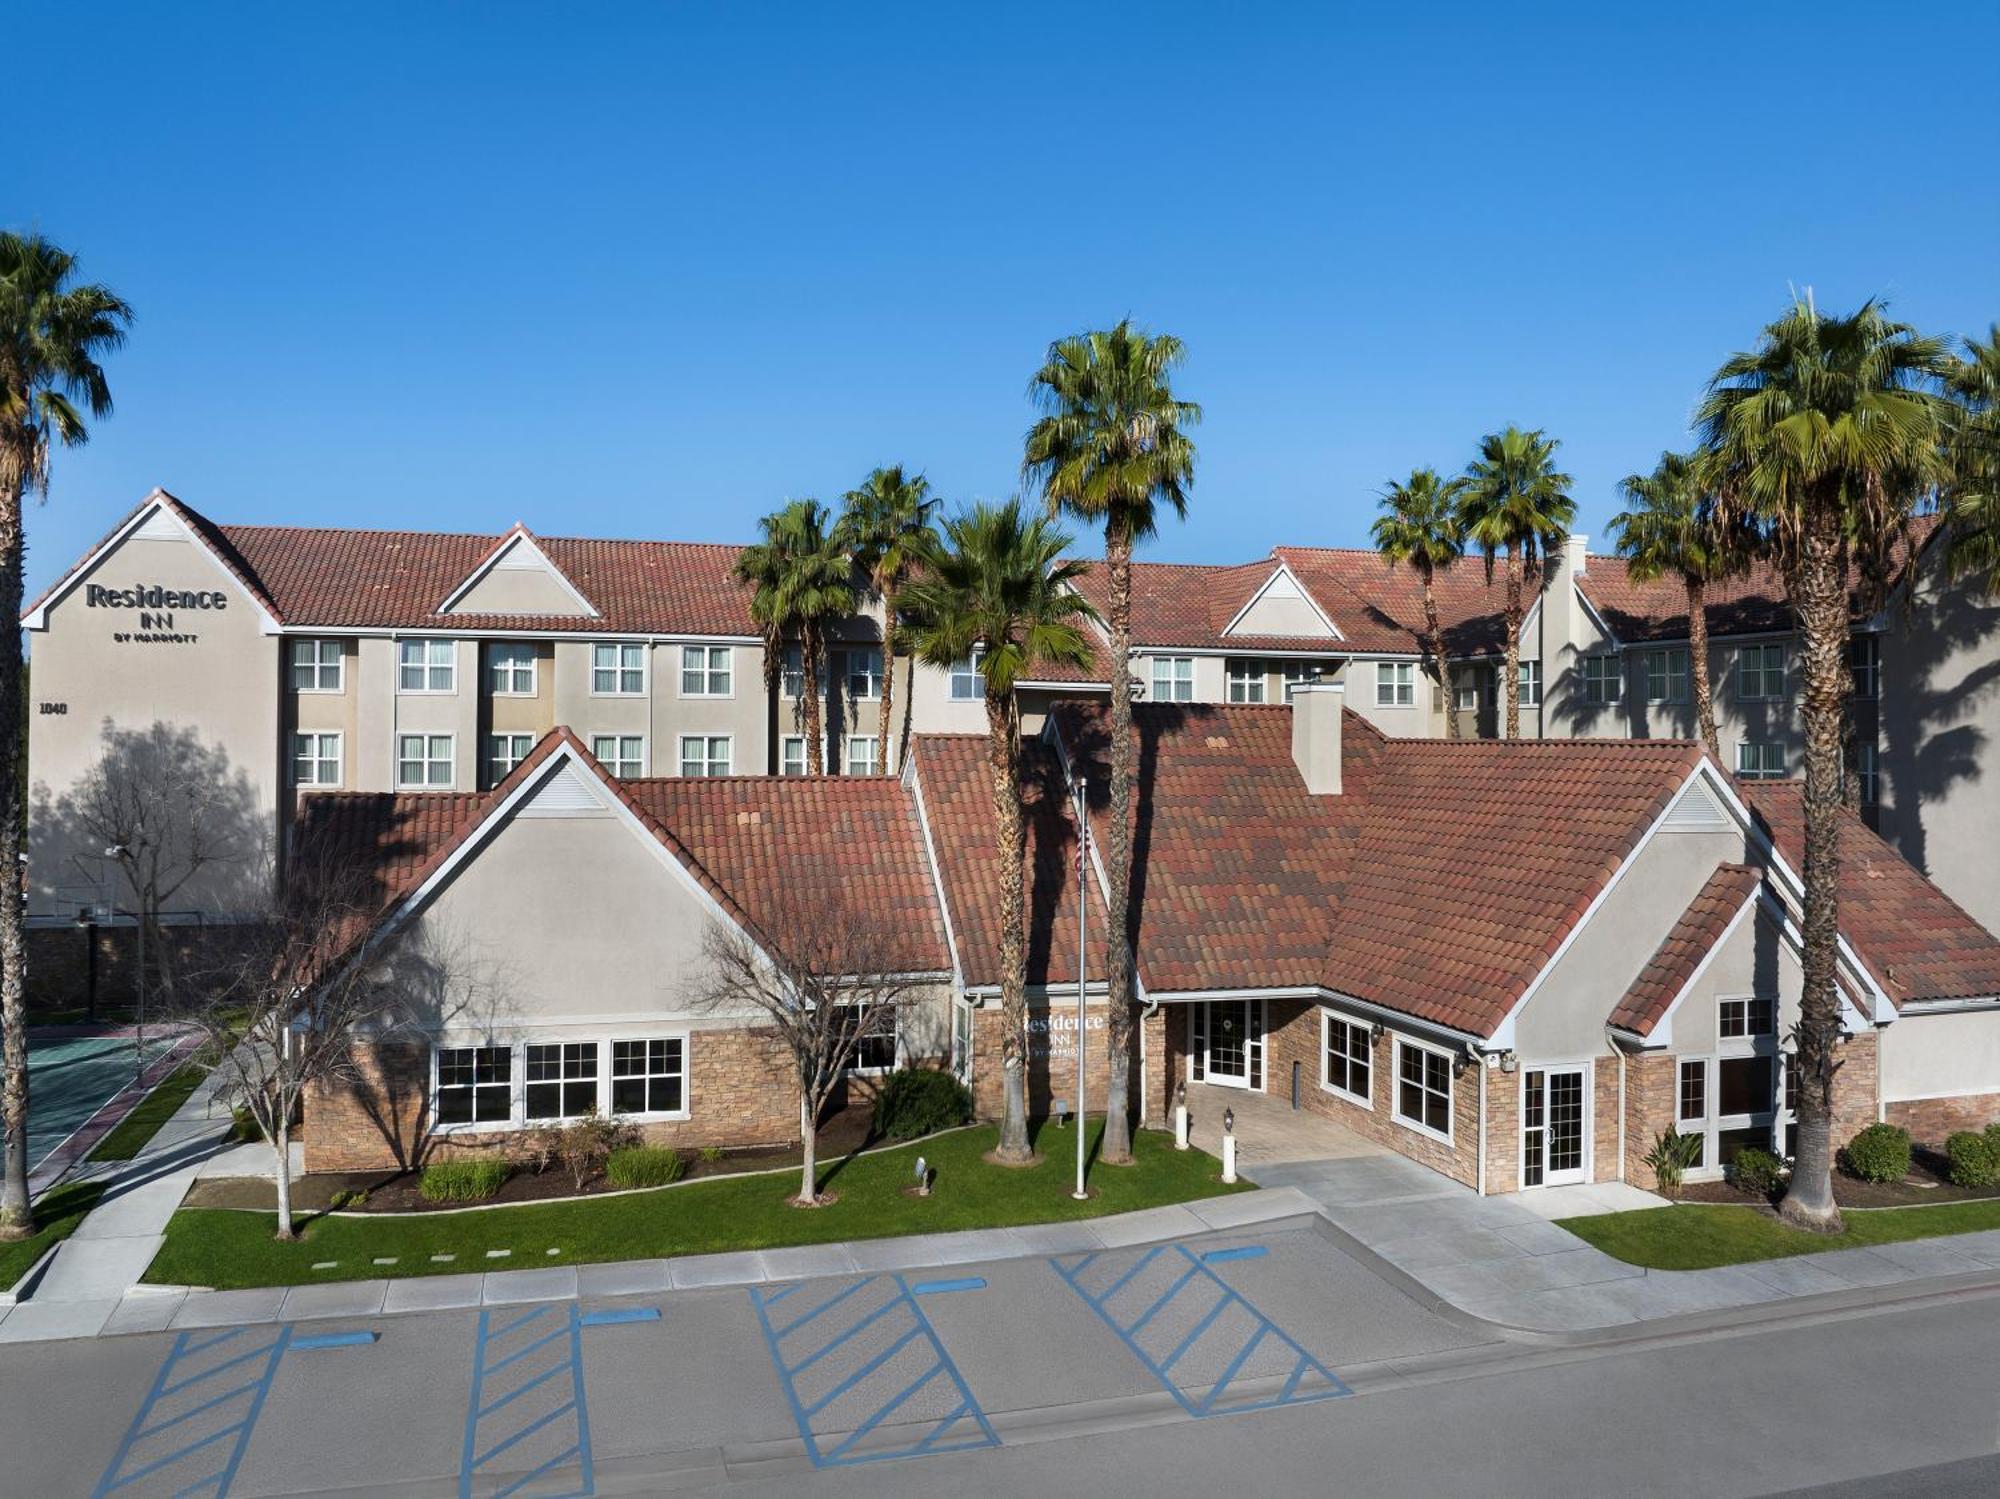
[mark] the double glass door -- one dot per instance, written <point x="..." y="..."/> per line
<point x="1227" y="1046"/>
<point x="1555" y="1110"/>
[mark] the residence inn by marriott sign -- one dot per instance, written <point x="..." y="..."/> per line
<point x="156" y="606"/>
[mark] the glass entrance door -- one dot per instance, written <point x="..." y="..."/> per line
<point x="1555" y="1105"/>
<point x="1230" y="1043"/>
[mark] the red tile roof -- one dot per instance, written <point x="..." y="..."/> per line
<point x="1380" y="608"/>
<point x="1694" y="936"/>
<point x="1917" y="943"/>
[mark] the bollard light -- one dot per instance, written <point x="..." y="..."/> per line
<point x="1229" y="1121"/>
<point x="923" y="1177"/>
<point x="1229" y="1147"/>
<point x="1180" y="1116"/>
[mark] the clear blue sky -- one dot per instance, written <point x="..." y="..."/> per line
<point x="651" y="269"/>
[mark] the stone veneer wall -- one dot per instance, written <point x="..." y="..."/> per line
<point x="1052" y="1072"/>
<point x="1931" y="1121"/>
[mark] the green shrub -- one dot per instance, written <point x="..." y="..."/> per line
<point x="462" y="1181"/>
<point x="243" y="1126"/>
<point x="1993" y="1134"/>
<point x="921" y="1101"/>
<point x="1880" y="1153"/>
<point x="711" y="1153"/>
<point x="1757" y="1172"/>
<point x="1970" y="1159"/>
<point x="1670" y="1157"/>
<point x="643" y="1166"/>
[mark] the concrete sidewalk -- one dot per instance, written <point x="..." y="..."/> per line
<point x="1501" y="1260"/>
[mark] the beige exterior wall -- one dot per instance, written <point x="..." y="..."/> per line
<point x="1941" y="1056"/>
<point x="518" y="590"/>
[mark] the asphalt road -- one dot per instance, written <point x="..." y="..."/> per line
<point x="1230" y="1364"/>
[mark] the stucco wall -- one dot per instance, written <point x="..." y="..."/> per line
<point x="1936" y="1056"/>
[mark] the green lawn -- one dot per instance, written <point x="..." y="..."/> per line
<point x="224" y="1248"/>
<point x="57" y="1215"/>
<point x="155" y="1109"/>
<point x="1700" y="1236"/>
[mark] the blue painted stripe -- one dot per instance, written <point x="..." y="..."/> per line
<point x="842" y="1339"/>
<point x="566" y="1360"/>
<point x="335" y="1340"/>
<point x="165" y="1385"/>
<point x="825" y="1306"/>
<point x="613" y="1316"/>
<point x="934" y="1287"/>
<point x="1246" y="1252"/>
<point x="1119" y="1284"/>
<point x="863" y="1372"/>
<point x="1242" y="1357"/>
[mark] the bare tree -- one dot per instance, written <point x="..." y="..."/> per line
<point x="814" y="972"/>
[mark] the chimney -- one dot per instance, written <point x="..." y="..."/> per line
<point x="1316" y="734"/>
<point x="1576" y="553"/>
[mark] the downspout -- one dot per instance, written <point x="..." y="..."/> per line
<point x="1619" y="1052"/>
<point x="1479" y="1062"/>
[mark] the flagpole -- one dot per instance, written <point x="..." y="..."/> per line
<point x="1082" y="948"/>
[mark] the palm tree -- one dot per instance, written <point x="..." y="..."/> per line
<point x="1830" y="431"/>
<point x="804" y="583"/>
<point x="1975" y="451"/>
<point x="52" y="334"/>
<point x="1673" y="527"/>
<point x="1516" y="505"/>
<point x="885" y="525"/>
<point x="1111" y="448"/>
<point x="997" y="590"/>
<point x="1419" y="526"/>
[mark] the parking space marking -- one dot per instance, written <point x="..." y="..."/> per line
<point x="853" y="1358"/>
<point x="613" y="1316"/>
<point x="335" y="1340"/>
<point x="223" y="1377"/>
<point x="528" y="1352"/>
<point x="1168" y="1303"/>
<point x="935" y="1287"/>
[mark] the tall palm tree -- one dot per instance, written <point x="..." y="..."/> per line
<point x="803" y="583"/>
<point x="1111" y="448"/>
<point x="1975" y="452"/>
<point x="885" y="526"/>
<point x="1517" y="505"/>
<point x="1831" y="431"/>
<point x="52" y="334"/>
<point x="1418" y="526"/>
<point x="997" y="584"/>
<point x="1674" y="527"/>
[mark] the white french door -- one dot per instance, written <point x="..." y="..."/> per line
<point x="1555" y="1126"/>
<point x="1227" y="1044"/>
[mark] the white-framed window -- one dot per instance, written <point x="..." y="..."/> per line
<point x="1760" y="672"/>
<point x="649" y="1076"/>
<point x="1864" y="663"/>
<point x="1666" y="675"/>
<point x="1603" y="679"/>
<point x="503" y="753"/>
<point x="510" y="668"/>
<point x="1531" y="684"/>
<point x="1867" y="774"/>
<point x="1298" y="673"/>
<point x="1472" y="689"/>
<point x="617" y="668"/>
<point x="1395" y="684"/>
<point x="1691" y="1107"/>
<point x="967" y="684"/>
<point x="792" y="755"/>
<point x="1760" y="760"/>
<point x="318" y="666"/>
<point x="705" y="754"/>
<point x="1346" y="1057"/>
<point x="707" y="671"/>
<point x="861" y="750"/>
<point x="961" y="1041"/>
<point x="1423" y="1088"/>
<point x="315" y="759"/>
<point x="561" y="1080"/>
<point x="624" y="755"/>
<point x="1746" y="1018"/>
<point x="424" y="759"/>
<point x="472" y="1085"/>
<point x="875" y="1053"/>
<point x="1173" y="679"/>
<point x="864" y="674"/>
<point x="1246" y="681"/>
<point x="426" y="666"/>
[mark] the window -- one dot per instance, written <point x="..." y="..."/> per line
<point x="1246" y="681"/>
<point x="316" y="666"/>
<point x="1297" y="674"/>
<point x="706" y="671"/>
<point x="1867" y="778"/>
<point x="427" y="666"/>
<point x="876" y="1051"/>
<point x="424" y="759"/>
<point x="861" y="754"/>
<point x="1760" y="672"/>
<point x="1760" y="760"/>
<point x="562" y="1080"/>
<point x="1603" y="680"/>
<point x="792" y="756"/>
<point x="1472" y="689"/>
<point x="1746" y="1018"/>
<point x="1693" y="1102"/>
<point x="1667" y="676"/>
<point x="1531" y="684"/>
<point x="624" y="755"/>
<point x="1345" y="1055"/>
<point x="510" y="669"/>
<point x="618" y="669"/>
<point x="864" y="675"/>
<point x="967" y="685"/>
<point x="1423" y="1088"/>
<point x="1746" y="1085"/>
<point x="961" y="1042"/>
<point x="1395" y="684"/>
<point x="704" y="754"/>
<point x="649" y="1077"/>
<point x="475" y="1085"/>
<point x="503" y="753"/>
<point x="792" y="681"/>
<point x="315" y="759"/>
<point x="1864" y="662"/>
<point x="1173" y="679"/>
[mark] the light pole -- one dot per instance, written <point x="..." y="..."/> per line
<point x="1082" y="964"/>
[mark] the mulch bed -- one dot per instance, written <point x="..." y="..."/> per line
<point x="396" y="1191"/>
<point x="1926" y="1183"/>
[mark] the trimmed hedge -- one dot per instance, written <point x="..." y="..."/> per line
<point x="644" y="1166"/>
<point x="1971" y="1160"/>
<point x="462" y="1181"/>
<point x="921" y="1101"/>
<point x="1879" y="1153"/>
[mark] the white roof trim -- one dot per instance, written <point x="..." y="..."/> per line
<point x="1283" y="570"/>
<point x="913" y="777"/>
<point x="519" y="537"/>
<point x="1662" y="1034"/>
